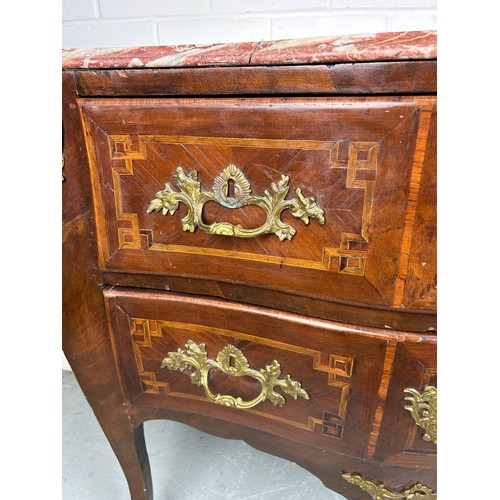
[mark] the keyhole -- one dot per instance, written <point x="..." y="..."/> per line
<point x="230" y="188"/>
<point x="231" y="362"/>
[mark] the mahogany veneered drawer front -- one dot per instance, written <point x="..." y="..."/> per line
<point x="340" y="370"/>
<point x="238" y="180"/>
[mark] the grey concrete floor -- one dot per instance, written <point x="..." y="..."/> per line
<point x="186" y="464"/>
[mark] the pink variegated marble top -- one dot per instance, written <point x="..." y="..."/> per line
<point x="345" y="48"/>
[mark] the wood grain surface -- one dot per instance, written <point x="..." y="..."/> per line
<point x="348" y="307"/>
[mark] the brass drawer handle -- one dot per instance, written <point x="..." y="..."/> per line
<point x="231" y="361"/>
<point x="423" y="409"/>
<point x="379" y="491"/>
<point x="272" y="202"/>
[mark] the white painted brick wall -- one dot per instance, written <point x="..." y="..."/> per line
<point x="217" y="29"/>
<point x="115" y="23"/>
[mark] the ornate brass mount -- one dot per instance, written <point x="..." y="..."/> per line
<point x="423" y="409"/>
<point x="272" y="202"/>
<point x="379" y="492"/>
<point x="231" y="361"/>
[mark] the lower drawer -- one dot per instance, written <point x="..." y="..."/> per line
<point x="312" y="381"/>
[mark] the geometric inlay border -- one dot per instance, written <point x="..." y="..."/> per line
<point x="360" y="166"/>
<point x="333" y="423"/>
<point x="338" y="370"/>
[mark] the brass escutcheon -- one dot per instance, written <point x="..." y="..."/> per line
<point x="423" y="409"/>
<point x="231" y="361"/>
<point x="380" y="492"/>
<point x="273" y="202"/>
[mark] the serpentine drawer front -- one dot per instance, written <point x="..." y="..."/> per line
<point x="249" y="248"/>
<point x="339" y="369"/>
<point x="309" y="195"/>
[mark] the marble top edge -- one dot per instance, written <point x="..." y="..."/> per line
<point x="407" y="45"/>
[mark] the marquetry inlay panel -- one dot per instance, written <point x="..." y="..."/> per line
<point x="338" y="370"/>
<point x="358" y="166"/>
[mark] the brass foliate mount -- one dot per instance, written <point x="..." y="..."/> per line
<point x="423" y="409"/>
<point x="231" y="361"/>
<point x="380" y="492"/>
<point x="273" y="202"/>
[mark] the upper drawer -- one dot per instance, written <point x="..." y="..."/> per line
<point x="326" y="197"/>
